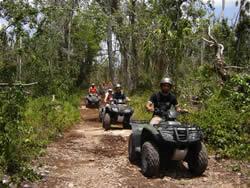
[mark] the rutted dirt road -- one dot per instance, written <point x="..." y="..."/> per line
<point x="88" y="156"/>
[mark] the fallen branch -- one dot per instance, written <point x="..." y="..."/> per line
<point x="236" y="67"/>
<point x="17" y="84"/>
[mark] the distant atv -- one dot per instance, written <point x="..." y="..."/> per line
<point x="92" y="101"/>
<point x="113" y="112"/>
<point x="154" y="146"/>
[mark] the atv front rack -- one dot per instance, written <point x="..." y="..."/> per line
<point x="181" y="134"/>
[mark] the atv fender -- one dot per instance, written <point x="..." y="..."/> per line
<point x="141" y="133"/>
<point x="137" y="129"/>
<point x="149" y="133"/>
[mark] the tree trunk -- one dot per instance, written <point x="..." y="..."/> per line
<point x="19" y="61"/>
<point x="109" y="42"/>
<point x="67" y="31"/>
<point x="85" y="67"/>
<point x="134" y="56"/>
<point x="222" y="10"/>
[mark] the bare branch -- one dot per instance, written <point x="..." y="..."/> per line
<point x="219" y="64"/>
<point x="17" y="84"/>
<point x="221" y="49"/>
<point x="236" y="67"/>
<point x="209" y="34"/>
<point x="209" y="41"/>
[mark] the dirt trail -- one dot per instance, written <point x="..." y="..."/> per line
<point x="88" y="156"/>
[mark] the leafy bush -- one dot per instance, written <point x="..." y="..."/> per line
<point x="225" y="127"/>
<point x="238" y="91"/>
<point x="14" y="152"/>
<point x="28" y="125"/>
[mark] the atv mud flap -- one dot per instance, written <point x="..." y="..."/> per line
<point x="179" y="154"/>
<point x="120" y="118"/>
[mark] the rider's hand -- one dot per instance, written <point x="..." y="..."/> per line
<point x="185" y="110"/>
<point x="151" y="109"/>
<point x="182" y="110"/>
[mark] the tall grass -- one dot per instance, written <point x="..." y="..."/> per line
<point x="40" y="121"/>
<point x="138" y="102"/>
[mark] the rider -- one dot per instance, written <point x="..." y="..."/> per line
<point x="118" y="94"/>
<point x="108" y="95"/>
<point x="163" y="97"/>
<point x="92" y="89"/>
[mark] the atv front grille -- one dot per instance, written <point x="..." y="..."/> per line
<point x="180" y="134"/>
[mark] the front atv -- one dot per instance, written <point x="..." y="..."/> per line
<point x="116" y="111"/>
<point x="152" y="147"/>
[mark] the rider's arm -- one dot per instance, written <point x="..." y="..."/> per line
<point x="106" y="98"/>
<point x="181" y="110"/>
<point x="127" y="99"/>
<point x="177" y="108"/>
<point x="150" y="106"/>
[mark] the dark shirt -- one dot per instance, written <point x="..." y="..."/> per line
<point x="159" y="100"/>
<point x="119" y="95"/>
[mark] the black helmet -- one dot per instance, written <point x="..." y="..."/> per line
<point x="166" y="80"/>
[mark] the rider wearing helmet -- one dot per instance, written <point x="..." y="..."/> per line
<point x="108" y="96"/>
<point x="92" y="89"/>
<point x="118" y="94"/>
<point x="163" y="97"/>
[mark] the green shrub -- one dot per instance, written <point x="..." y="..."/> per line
<point x="224" y="127"/>
<point x="14" y="152"/>
<point x="27" y="126"/>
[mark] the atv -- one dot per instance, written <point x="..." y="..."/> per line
<point x="154" y="146"/>
<point x="115" y="111"/>
<point x="92" y="101"/>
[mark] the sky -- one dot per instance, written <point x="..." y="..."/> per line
<point x="230" y="11"/>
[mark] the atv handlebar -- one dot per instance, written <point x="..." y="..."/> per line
<point x="169" y="114"/>
<point x="118" y="101"/>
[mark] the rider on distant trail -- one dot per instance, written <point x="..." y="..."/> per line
<point x="108" y="96"/>
<point x="92" y="89"/>
<point x="118" y="94"/>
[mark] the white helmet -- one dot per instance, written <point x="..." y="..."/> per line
<point x="166" y="80"/>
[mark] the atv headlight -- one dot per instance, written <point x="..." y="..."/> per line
<point x="127" y="111"/>
<point x="193" y="136"/>
<point x="115" y="109"/>
<point x="168" y="137"/>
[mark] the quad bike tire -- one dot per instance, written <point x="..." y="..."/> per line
<point x="126" y="122"/>
<point x="86" y="103"/>
<point x="132" y="155"/>
<point x="100" y="115"/>
<point x="197" y="159"/>
<point x="150" y="160"/>
<point x="106" y="122"/>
